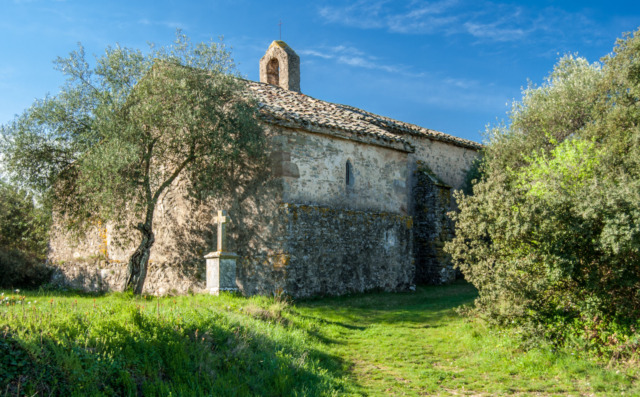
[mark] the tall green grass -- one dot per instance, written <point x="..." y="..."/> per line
<point x="74" y="344"/>
<point x="54" y="343"/>
<point x="418" y="344"/>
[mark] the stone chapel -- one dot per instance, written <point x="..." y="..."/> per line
<point x="355" y="202"/>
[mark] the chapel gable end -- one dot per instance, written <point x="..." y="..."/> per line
<point x="280" y="66"/>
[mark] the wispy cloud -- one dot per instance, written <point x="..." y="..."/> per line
<point x="365" y="63"/>
<point x="460" y="83"/>
<point x="425" y="18"/>
<point x="450" y="94"/>
<point x="318" y="54"/>
<point x="494" y="32"/>
<point x="37" y="1"/>
<point x="351" y="56"/>
<point x="363" y="14"/>
<point x="168" y="24"/>
<point x="482" y="20"/>
<point x="447" y="92"/>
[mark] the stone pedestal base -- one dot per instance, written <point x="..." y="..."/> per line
<point x="221" y="272"/>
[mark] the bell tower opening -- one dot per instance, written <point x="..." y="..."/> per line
<point x="280" y="66"/>
<point x="273" y="72"/>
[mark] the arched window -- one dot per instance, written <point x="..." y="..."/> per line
<point x="349" y="178"/>
<point x="273" y="72"/>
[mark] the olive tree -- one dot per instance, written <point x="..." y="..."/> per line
<point x="124" y="129"/>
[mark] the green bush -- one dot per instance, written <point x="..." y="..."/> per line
<point x="19" y="269"/>
<point x="24" y="230"/>
<point x="551" y="235"/>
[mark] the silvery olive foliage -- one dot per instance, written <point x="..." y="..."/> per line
<point x="551" y="234"/>
<point x="128" y="125"/>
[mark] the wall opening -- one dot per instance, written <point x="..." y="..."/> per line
<point x="349" y="178"/>
<point x="273" y="72"/>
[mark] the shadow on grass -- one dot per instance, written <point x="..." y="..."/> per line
<point x="428" y="304"/>
<point x="144" y="355"/>
<point x="54" y="292"/>
<point x="319" y="336"/>
<point x="212" y="353"/>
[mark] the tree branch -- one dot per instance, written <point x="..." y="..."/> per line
<point x="173" y="176"/>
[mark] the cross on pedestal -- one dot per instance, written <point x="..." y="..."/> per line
<point x="221" y="264"/>
<point x="222" y="220"/>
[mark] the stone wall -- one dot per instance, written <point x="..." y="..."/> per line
<point x="96" y="258"/>
<point x="100" y="275"/>
<point x="432" y="227"/>
<point x="312" y="251"/>
<point x="328" y="251"/>
<point x="449" y="162"/>
<point x="335" y="239"/>
<point x="314" y="169"/>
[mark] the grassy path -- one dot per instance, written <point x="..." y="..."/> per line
<point x="416" y="344"/>
<point x="378" y="344"/>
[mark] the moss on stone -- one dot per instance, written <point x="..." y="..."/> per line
<point x="280" y="43"/>
<point x="409" y="222"/>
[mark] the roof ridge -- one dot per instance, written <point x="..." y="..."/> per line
<point x="410" y="127"/>
<point x="304" y="109"/>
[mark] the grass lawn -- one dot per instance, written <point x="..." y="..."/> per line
<point x="416" y="344"/>
<point x="54" y="343"/>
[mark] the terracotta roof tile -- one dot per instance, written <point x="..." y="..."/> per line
<point x="277" y="104"/>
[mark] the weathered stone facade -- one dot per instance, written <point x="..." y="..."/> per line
<point x="102" y="275"/>
<point x="350" y="201"/>
<point x="379" y="174"/>
<point x="329" y="251"/>
<point x="432" y="228"/>
<point x="449" y="162"/>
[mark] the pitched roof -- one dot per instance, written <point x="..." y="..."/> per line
<point x="290" y="108"/>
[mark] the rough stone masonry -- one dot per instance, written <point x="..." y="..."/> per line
<point x="351" y="201"/>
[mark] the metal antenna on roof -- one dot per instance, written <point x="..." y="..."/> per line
<point x="280" y="25"/>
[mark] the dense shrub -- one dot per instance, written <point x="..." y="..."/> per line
<point x="551" y="235"/>
<point x="23" y="238"/>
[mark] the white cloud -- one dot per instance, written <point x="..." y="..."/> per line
<point x="425" y="18"/>
<point x="482" y="20"/>
<point x="315" y="53"/>
<point x="451" y="93"/>
<point x="366" y="63"/>
<point x="493" y="31"/>
<point x="444" y="92"/>
<point x="342" y="49"/>
<point x="460" y="83"/>
<point x="167" y="24"/>
<point x="39" y="1"/>
<point x="351" y="56"/>
<point x="363" y="14"/>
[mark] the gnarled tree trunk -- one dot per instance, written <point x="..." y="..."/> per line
<point x="139" y="260"/>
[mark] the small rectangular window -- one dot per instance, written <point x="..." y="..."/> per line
<point x="349" y="174"/>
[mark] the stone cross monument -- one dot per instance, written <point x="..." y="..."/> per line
<point x="221" y="264"/>
<point x="221" y="220"/>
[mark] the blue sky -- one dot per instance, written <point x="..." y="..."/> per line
<point x="449" y="65"/>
